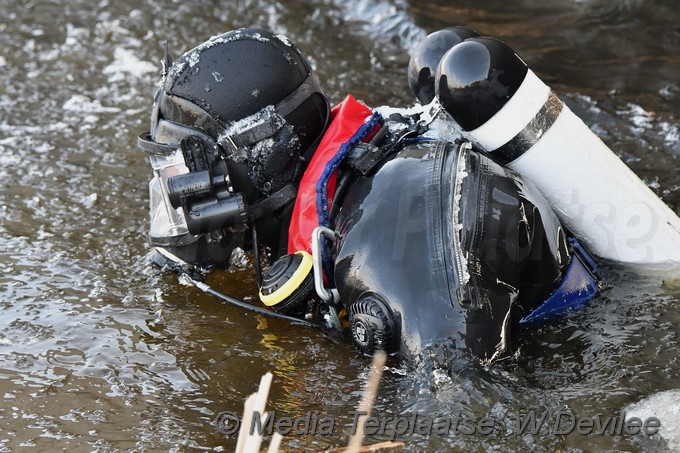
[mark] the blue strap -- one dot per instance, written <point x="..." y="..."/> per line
<point x="580" y="284"/>
<point x="322" y="183"/>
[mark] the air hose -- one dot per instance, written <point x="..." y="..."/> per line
<point x="185" y="278"/>
<point x="180" y="267"/>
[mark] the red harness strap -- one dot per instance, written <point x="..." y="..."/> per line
<point x="346" y="118"/>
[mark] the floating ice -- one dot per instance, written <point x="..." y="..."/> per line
<point x="126" y="64"/>
<point x="90" y="200"/>
<point x="83" y="104"/>
<point x="666" y="407"/>
<point x="384" y="20"/>
<point x="641" y="118"/>
<point x="671" y="134"/>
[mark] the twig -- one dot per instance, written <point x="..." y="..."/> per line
<point x="256" y="402"/>
<point x="246" y="421"/>
<point x="366" y="405"/>
<point x="275" y="443"/>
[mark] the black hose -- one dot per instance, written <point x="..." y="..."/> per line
<point x="256" y="257"/>
<point x="346" y="177"/>
<point x="246" y="306"/>
<point x="340" y="189"/>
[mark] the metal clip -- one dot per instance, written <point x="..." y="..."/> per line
<point x="329" y="296"/>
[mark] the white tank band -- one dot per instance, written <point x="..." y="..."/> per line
<point x="532" y="132"/>
<point x="514" y="116"/>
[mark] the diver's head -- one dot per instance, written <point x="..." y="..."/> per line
<point x="233" y="124"/>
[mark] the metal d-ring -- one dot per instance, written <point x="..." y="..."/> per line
<point x="317" y="235"/>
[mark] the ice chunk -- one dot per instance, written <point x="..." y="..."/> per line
<point x="126" y="64"/>
<point x="664" y="406"/>
<point x="83" y="104"/>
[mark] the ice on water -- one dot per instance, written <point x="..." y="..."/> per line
<point x="666" y="407"/>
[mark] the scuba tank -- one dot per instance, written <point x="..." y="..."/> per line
<point x="513" y="116"/>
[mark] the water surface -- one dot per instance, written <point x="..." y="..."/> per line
<point x="99" y="351"/>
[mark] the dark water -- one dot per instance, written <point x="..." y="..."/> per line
<point x="100" y="352"/>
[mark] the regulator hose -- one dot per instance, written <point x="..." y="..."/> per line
<point x="185" y="278"/>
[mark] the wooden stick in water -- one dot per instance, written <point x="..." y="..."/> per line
<point x="366" y="405"/>
<point x="275" y="443"/>
<point x="256" y="402"/>
<point x="246" y="420"/>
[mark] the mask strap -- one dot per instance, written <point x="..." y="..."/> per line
<point x="306" y="89"/>
<point x="146" y="144"/>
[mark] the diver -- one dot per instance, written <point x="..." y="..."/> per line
<point x="372" y="221"/>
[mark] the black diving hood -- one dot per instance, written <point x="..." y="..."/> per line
<point x="442" y="246"/>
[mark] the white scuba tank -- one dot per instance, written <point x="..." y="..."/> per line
<point x="505" y="109"/>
